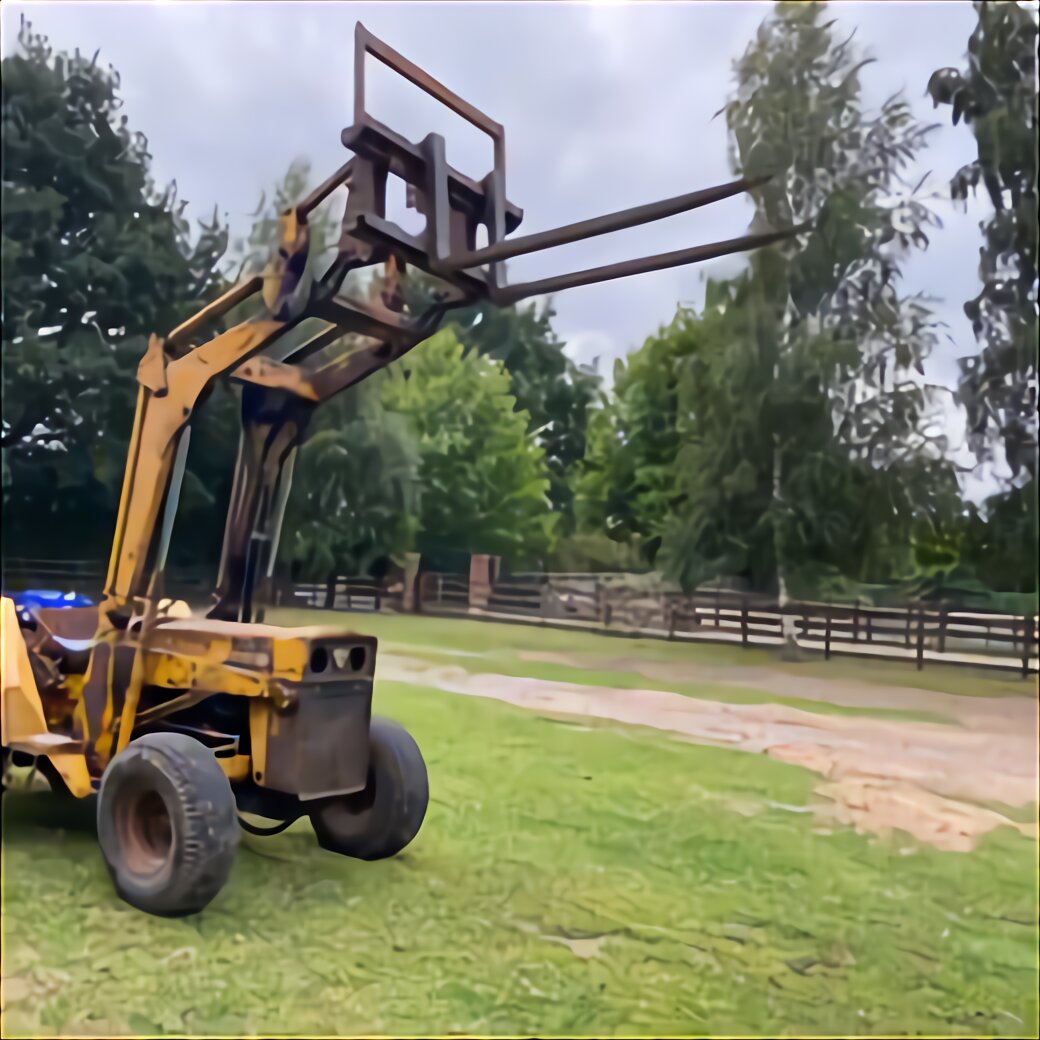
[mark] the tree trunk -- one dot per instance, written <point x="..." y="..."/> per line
<point x="789" y="651"/>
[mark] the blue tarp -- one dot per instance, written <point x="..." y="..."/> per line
<point x="49" y="598"/>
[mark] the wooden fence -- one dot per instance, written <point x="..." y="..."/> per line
<point x="921" y="632"/>
<point x="364" y="594"/>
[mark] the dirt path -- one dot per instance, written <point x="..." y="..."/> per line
<point x="929" y="779"/>
<point x="992" y="714"/>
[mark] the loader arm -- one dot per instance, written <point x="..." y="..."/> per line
<point x="167" y="395"/>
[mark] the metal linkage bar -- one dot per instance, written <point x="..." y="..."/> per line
<point x="603" y="225"/>
<point x="325" y="189"/>
<point x="365" y="43"/>
<point x="658" y="262"/>
<point x="234" y="296"/>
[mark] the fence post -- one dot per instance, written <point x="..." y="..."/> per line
<point x="482" y="576"/>
<point x="909" y="618"/>
<point x="330" y="593"/>
<point x="942" y="628"/>
<point x="671" y="620"/>
<point x="920" y="638"/>
<point x="855" y="621"/>
<point x="350" y="602"/>
<point x="870" y="634"/>
<point x="743" y="621"/>
<point x="827" y="632"/>
<point x="716" y="606"/>
<point x="1027" y="645"/>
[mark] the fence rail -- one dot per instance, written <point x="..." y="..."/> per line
<point x="921" y="632"/>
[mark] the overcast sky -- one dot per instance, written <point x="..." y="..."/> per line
<point x="605" y="106"/>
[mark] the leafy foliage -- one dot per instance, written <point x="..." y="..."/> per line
<point x="783" y="434"/>
<point x="1000" y="541"/>
<point x="556" y="393"/>
<point x="798" y="114"/>
<point x="589" y="552"/>
<point x="250" y="254"/>
<point x="355" y="498"/>
<point x="627" y="488"/>
<point x="94" y="259"/>
<point x="484" y="478"/>
<point x="997" y="95"/>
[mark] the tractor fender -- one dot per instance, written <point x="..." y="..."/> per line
<point x="23" y="722"/>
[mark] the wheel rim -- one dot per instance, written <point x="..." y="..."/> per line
<point x="145" y="832"/>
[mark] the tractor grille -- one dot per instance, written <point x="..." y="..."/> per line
<point x="320" y="747"/>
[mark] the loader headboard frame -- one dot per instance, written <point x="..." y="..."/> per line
<point x="365" y="43"/>
<point x="454" y="205"/>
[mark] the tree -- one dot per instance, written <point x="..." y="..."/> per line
<point x="94" y="259"/>
<point x="484" y="482"/>
<point x="842" y="332"/>
<point x="1000" y="543"/>
<point x="250" y="255"/>
<point x="627" y="485"/>
<point x="788" y="412"/>
<point x="750" y="421"/>
<point x="556" y="393"/>
<point x="354" y="504"/>
<point x="997" y="96"/>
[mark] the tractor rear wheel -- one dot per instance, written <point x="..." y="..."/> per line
<point x="382" y="819"/>
<point x="167" y="824"/>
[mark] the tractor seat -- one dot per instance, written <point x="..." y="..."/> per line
<point x="74" y="654"/>
<point x="66" y="635"/>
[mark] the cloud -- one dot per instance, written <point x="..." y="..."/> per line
<point x="605" y="106"/>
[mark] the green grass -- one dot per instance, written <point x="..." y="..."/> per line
<point x="712" y="901"/>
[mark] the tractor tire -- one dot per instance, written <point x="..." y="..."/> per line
<point x="167" y="824"/>
<point x="379" y="821"/>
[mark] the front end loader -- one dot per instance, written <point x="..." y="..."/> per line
<point x="178" y="723"/>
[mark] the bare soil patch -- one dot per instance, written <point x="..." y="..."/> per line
<point x="934" y="781"/>
<point x="993" y="714"/>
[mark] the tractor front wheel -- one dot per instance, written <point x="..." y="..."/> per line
<point x="382" y="819"/>
<point x="167" y="824"/>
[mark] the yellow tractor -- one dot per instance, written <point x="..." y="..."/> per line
<point x="180" y="723"/>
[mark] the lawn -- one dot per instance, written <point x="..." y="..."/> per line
<point x="569" y="879"/>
